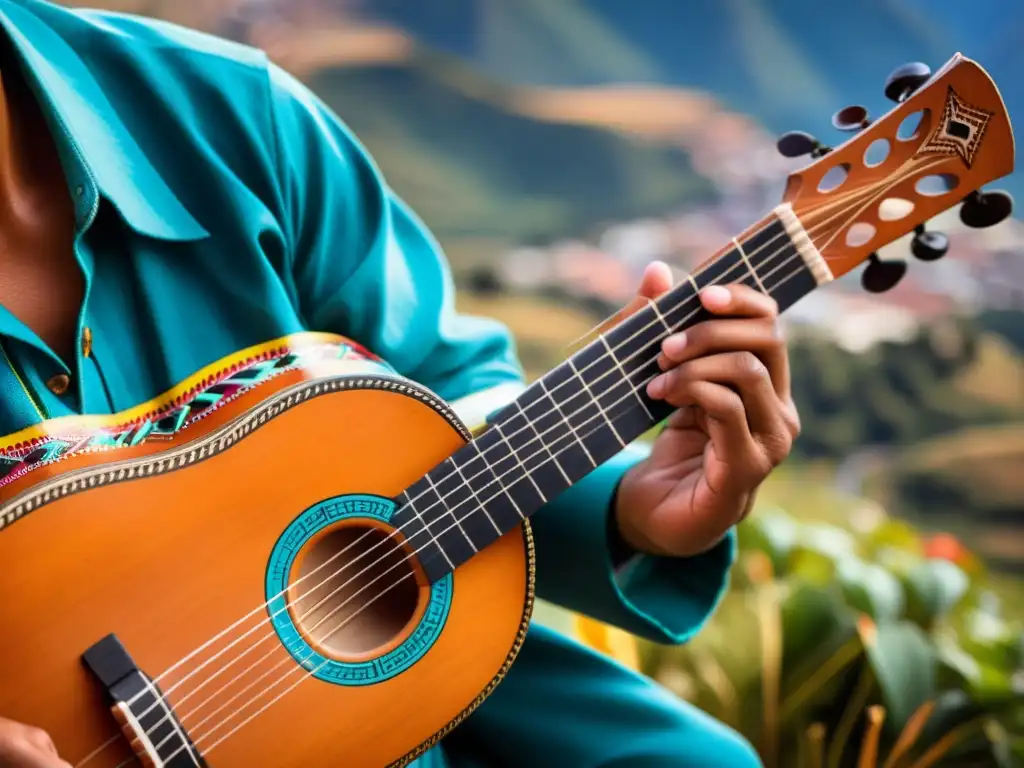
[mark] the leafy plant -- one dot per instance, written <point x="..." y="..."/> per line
<point x="870" y="651"/>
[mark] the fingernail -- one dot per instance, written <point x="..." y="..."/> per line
<point x="674" y="345"/>
<point x="717" y="295"/>
<point x="655" y="388"/>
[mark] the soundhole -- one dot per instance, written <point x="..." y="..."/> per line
<point x="357" y="595"/>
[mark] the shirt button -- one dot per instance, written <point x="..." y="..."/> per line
<point x="86" y="342"/>
<point x="59" y="384"/>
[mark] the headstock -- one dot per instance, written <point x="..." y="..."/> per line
<point x="948" y="135"/>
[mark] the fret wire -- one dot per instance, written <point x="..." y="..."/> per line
<point x="627" y="394"/>
<point x="447" y="509"/>
<point x="683" y="301"/>
<point x="565" y="441"/>
<point x="586" y="387"/>
<point x="547" y="422"/>
<point x="526" y="419"/>
<point x="616" y="394"/>
<point x="497" y="477"/>
<point x="615" y="413"/>
<point x="472" y="491"/>
<point x="638" y="336"/>
<point x="723" y="266"/>
<point x="481" y="474"/>
<point x="423" y="523"/>
<point x="570" y="440"/>
<point x="686" y="315"/>
<point x="693" y="282"/>
<point x="515" y="455"/>
<point x="746" y="261"/>
<point x="580" y="400"/>
<point x="625" y="376"/>
<point x="654" y="307"/>
<point x="712" y="271"/>
<point x="683" y="295"/>
<point x="567" y="422"/>
<point x="676" y="297"/>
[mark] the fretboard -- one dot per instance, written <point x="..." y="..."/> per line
<point x="587" y="409"/>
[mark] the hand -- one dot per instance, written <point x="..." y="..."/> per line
<point x="22" y="746"/>
<point x="729" y="377"/>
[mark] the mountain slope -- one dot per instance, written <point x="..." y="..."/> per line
<point x="455" y="147"/>
<point x="788" y="63"/>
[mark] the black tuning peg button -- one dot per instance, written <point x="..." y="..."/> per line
<point x="880" y="276"/>
<point x="797" y="143"/>
<point x="929" y="246"/>
<point x="985" y="209"/>
<point x="852" y="118"/>
<point x="905" y="80"/>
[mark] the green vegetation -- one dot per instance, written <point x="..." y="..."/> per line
<point x="969" y="483"/>
<point x="853" y="644"/>
<point x="1007" y="323"/>
<point x="937" y="421"/>
<point x="901" y="393"/>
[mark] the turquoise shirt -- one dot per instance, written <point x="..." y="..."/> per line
<point x="219" y="204"/>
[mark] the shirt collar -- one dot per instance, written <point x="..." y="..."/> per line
<point x="87" y="125"/>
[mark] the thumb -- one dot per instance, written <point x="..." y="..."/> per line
<point x="656" y="280"/>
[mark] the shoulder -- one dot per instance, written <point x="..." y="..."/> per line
<point x="223" y="85"/>
<point x="174" y="86"/>
<point x="145" y="38"/>
<point x="225" y="104"/>
<point x="147" y="67"/>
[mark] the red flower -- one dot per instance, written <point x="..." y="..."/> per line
<point x="945" y="546"/>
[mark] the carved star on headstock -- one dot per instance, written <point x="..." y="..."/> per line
<point x="959" y="132"/>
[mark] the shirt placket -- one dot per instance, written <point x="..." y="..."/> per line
<point x="42" y="384"/>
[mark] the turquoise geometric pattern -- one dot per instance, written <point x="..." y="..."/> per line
<point x="301" y="530"/>
<point x="174" y="415"/>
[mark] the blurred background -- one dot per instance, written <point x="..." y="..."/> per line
<point x="555" y="147"/>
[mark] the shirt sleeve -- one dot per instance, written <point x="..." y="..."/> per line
<point x="363" y="265"/>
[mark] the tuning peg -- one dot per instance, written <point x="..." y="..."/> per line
<point x="852" y="118"/>
<point x="905" y="80"/>
<point x="880" y="276"/>
<point x="797" y="143"/>
<point x="928" y="246"/>
<point x="985" y="209"/>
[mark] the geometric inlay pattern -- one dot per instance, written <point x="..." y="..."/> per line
<point x="960" y="131"/>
